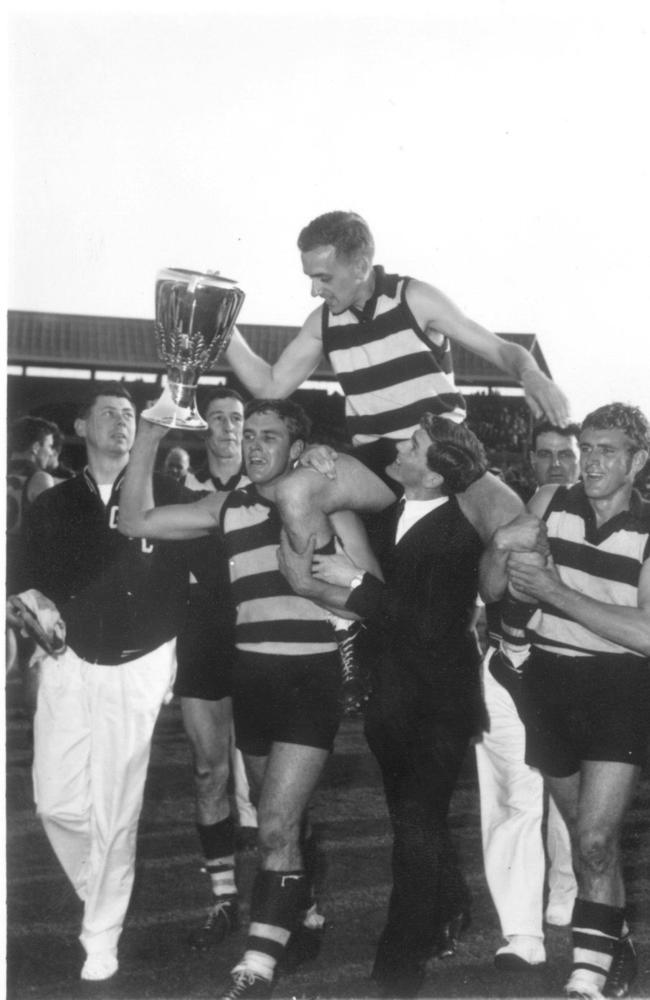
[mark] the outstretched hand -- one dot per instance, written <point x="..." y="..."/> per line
<point x="545" y="398"/>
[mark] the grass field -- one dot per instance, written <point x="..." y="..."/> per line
<point x="44" y="956"/>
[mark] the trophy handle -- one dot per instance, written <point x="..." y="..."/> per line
<point x="167" y="413"/>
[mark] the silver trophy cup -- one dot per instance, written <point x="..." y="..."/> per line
<point x="195" y="315"/>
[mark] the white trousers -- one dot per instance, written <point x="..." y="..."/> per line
<point x="512" y="806"/>
<point x="92" y="739"/>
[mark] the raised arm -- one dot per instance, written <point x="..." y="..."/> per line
<point x="295" y="364"/>
<point x="139" y="518"/>
<point x="437" y="316"/>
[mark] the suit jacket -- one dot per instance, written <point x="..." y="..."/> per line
<point x="418" y="647"/>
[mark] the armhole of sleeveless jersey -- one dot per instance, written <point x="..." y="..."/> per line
<point x="324" y="329"/>
<point x="437" y="350"/>
<point x="561" y="491"/>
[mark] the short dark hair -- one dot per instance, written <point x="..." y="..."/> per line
<point x="292" y="414"/>
<point x="455" y="452"/>
<point x="27" y="431"/>
<point x="222" y="392"/>
<point x="546" y="427"/>
<point x="97" y="389"/>
<point x="621" y="416"/>
<point x="347" y="232"/>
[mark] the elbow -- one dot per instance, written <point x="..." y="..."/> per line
<point x="131" y="526"/>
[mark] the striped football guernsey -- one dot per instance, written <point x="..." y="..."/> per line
<point x="389" y="371"/>
<point x="603" y="563"/>
<point x="271" y="619"/>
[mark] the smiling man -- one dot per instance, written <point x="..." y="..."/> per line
<point x="587" y="685"/>
<point x="287" y="678"/>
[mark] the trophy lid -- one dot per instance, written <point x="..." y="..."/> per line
<point x="213" y="279"/>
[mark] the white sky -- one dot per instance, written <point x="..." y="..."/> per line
<point x="498" y="150"/>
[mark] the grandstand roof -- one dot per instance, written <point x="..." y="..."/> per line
<point x="59" y="340"/>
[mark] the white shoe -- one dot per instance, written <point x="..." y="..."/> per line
<point x="522" y="952"/>
<point x="99" y="965"/>
<point x="581" y="987"/>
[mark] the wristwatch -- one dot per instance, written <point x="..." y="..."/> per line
<point x="356" y="581"/>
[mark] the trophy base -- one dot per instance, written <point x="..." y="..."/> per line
<point x="166" y="413"/>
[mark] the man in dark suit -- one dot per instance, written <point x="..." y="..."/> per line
<point x="425" y="703"/>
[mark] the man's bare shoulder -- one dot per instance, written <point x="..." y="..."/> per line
<point x="433" y="310"/>
<point x="419" y="293"/>
<point x="542" y="497"/>
<point x="488" y="504"/>
<point x="313" y="325"/>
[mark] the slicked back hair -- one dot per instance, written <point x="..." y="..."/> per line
<point x="455" y="453"/>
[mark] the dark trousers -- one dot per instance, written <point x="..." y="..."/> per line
<point x="420" y="753"/>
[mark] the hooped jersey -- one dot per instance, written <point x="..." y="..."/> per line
<point x="390" y="372"/>
<point x="603" y="563"/>
<point x="271" y="619"/>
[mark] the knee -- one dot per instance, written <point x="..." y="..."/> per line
<point x="210" y="775"/>
<point x="61" y="814"/>
<point x="300" y="493"/>
<point x="596" y="850"/>
<point x="275" y="834"/>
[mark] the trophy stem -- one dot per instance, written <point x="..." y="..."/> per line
<point x="167" y="413"/>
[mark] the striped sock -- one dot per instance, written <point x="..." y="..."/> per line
<point x="515" y="616"/>
<point x="217" y="842"/>
<point x="277" y="899"/>
<point x="596" y="927"/>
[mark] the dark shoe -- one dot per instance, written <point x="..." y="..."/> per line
<point x="304" y="946"/>
<point x="247" y="984"/>
<point x="354" y="689"/>
<point x="246" y="839"/>
<point x="624" y="969"/>
<point x="450" y="934"/>
<point x="222" y="920"/>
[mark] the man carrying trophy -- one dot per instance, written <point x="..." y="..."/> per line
<point x="104" y="677"/>
<point x="105" y="611"/>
